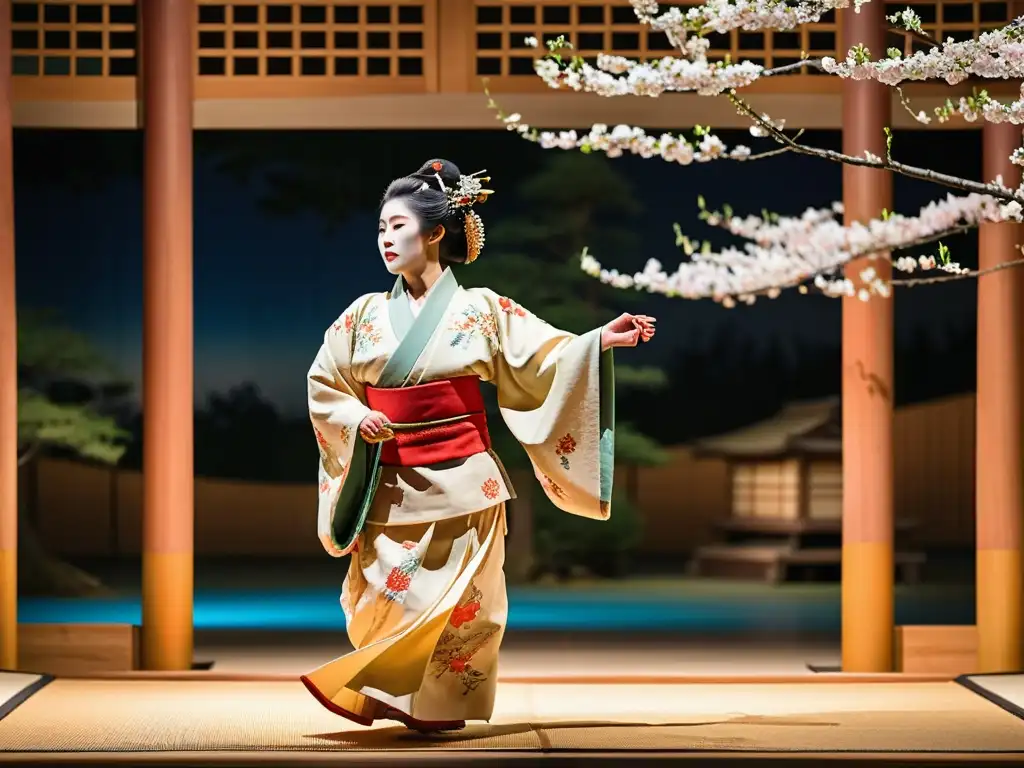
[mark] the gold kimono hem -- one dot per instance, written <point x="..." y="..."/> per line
<point x="426" y="608"/>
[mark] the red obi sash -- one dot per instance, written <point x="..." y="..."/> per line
<point x="439" y="421"/>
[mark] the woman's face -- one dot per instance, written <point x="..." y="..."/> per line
<point x="402" y="244"/>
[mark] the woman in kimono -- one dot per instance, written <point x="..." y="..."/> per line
<point x="408" y="484"/>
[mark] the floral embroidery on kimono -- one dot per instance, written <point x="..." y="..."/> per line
<point x="509" y="307"/>
<point x="551" y="486"/>
<point x="473" y="322"/>
<point x="460" y="643"/>
<point x="329" y="460"/>
<point x="367" y="334"/>
<point x="491" y="488"/>
<point x="396" y="587"/>
<point x="564" y="447"/>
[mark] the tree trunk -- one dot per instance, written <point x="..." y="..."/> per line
<point x="40" y="573"/>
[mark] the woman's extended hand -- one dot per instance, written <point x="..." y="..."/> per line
<point x="372" y="426"/>
<point x="627" y="331"/>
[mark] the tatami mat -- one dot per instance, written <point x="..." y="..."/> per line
<point x="189" y="716"/>
<point x="1004" y="689"/>
<point x="16" y="687"/>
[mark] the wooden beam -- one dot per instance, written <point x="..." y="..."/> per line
<point x="936" y="650"/>
<point x="468" y="111"/>
<point x="78" y="649"/>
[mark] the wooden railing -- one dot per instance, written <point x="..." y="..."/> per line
<point x="83" y="51"/>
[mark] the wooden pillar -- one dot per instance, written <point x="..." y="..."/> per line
<point x="167" y="530"/>
<point x="867" y="572"/>
<point x="999" y="499"/>
<point x="8" y="364"/>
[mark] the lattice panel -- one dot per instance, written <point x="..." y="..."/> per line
<point x="611" y="26"/>
<point x="958" y="19"/>
<point x="369" y="39"/>
<point x="74" y="39"/>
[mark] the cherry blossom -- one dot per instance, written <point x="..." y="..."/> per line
<point x="998" y="54"/>
<point x="726" y="15"/>
<point x="623" y="139"/>
<point x="621" y="76"/>
<point x="979" y="105"/>
<point x="784" y="252"/>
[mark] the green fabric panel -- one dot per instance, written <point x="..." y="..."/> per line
<point x="606" y="368"/>
<point x="412" y="344"/>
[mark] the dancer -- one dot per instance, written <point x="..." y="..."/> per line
<point x="408" y="484"/>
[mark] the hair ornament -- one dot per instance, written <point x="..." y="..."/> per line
<point x="461" y="197"/>
<point x="474" y="228"/>
<point x="469" y="190"/>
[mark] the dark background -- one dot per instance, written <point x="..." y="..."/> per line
<point x="285" y="240"/>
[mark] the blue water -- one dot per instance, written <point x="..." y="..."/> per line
<point x="318" y="609"/>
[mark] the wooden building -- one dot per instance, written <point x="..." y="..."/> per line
<point x="169" y="67"/>
<point x="786" y="499"/>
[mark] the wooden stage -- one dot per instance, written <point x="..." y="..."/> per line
<point x="213" y="718"/>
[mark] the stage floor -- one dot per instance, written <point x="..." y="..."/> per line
<point x="266" y="721"/>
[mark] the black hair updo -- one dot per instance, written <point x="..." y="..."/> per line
<point x="430" y="205"/>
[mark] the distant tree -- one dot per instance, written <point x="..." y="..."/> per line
<point x="63" y="384"/>
<point x="239" y="434"/>
<point x="334" y="174"/>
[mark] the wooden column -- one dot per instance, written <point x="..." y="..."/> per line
<point x="167" y="530"/>
<point x="999" y="499"/>
<point x="8" y="365"/>
<point x="867" y="575"/>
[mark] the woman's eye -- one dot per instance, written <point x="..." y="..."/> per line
<point x="399" y="226"/>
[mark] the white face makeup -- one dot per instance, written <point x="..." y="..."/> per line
<point x="399" y="240"/>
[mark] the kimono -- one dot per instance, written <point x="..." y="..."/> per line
<point x="423" y="513"/>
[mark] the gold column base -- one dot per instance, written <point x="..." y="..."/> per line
<point x="867" y="596"/>
<point x="998" y="599"/>
<point x="167" y="628"/>
<point x="8" y="609"/>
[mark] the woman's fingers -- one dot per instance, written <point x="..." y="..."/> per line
<point x="627" y="338"/>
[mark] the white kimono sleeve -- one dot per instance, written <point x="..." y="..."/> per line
<point x="556" y="392"/>
<point x="336" y="409"/>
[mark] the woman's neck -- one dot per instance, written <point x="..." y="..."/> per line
<point x="417" y="284"/>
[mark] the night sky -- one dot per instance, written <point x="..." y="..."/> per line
<point x="266" y="284"/>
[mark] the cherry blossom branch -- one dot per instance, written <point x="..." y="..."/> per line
<point x="978" y="105"/>
<point x="727" y="15"/>
<point x="872" y="161"/>
<point x="916" y="281"/>
<point x="705" y="146"/>
<point x="785" y="69"/>
<point x="786" y="252"/>
<point x="995" y="54"/>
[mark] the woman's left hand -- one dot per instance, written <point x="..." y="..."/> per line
<point x="627" y="331"/>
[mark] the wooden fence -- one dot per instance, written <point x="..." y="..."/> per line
<point x="96" y="511"/>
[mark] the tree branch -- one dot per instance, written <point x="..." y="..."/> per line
<point x="946" y="278"/>
<point x="882" y="164"/>
<point x="874" y="251"/>
<point x="30" y="454"/>
<point x="787" y="68"/>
